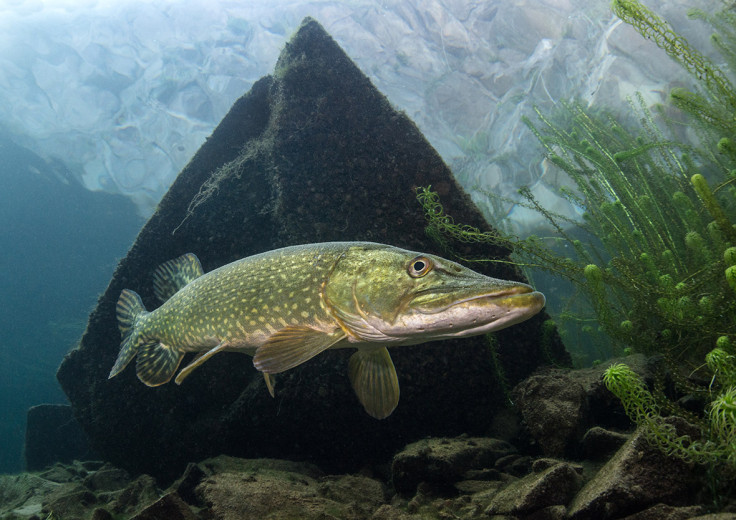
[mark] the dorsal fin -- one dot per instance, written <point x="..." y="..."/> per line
<point x="171" y="276"/>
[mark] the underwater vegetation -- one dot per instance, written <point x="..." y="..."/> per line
<point x="717" y="445"/>
<point x="712" y="111"/>
<point x="655" y="252"/>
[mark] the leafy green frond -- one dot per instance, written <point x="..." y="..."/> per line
<point x="654" y="28"/>
<point x="717" y="445"/>
<point x="655" y="252"/>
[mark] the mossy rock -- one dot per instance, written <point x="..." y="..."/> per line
<point x="314" y="153"/>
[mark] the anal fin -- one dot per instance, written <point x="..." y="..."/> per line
<point x="198" y="360"/>
<point x="375" y="382"/>
<point x="156" y="363"/>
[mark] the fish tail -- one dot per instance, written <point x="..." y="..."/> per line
<point x="156" y="362"/>
<point x="128" y="309"/>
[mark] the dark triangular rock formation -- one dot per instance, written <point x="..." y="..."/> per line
<point x="313" y="153"/>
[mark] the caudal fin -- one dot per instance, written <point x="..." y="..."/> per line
<point x="156" y="362"/>
<point x="128" y="309"/>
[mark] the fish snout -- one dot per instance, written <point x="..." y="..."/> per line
<point x="520" y="296"/>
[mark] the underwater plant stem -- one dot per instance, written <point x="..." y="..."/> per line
<point x="713" y="207"/>
<point x="654" y="28"/>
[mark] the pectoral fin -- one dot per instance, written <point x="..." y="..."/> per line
<point x="374" y="380"/>
<point x="197" y="361"/>
<point x="293" y="346"/>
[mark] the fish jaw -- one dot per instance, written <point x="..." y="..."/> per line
<point x="463" y="317"/>
<point x="478" y="314"/>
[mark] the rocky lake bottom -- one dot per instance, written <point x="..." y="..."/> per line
<point x="556" y="464"/>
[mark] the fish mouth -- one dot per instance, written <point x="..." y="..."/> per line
<point x="516" y="296"/>
<point x="478" y="313"/>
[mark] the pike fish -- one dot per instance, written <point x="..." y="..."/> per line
<point x="284" y="307"/>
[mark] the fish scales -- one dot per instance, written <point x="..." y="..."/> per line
<point x="286" y="306"/>
<point x="244" y="302"/>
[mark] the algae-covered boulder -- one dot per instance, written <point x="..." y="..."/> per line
<point x="638" y="476"/>
<point x="255" y="489"/>
<point x="53" y="435"/>
<point x="553" y="486"/>
<point x="313" y="153"/>
<point x="445" y="460"/>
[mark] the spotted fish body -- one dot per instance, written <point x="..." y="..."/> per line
<point x="286" y="306"/>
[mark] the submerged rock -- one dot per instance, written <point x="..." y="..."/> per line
<point x="313" y="153"/>
<point x="560" y="407"/>
<point x="445" y="461"/>
<point x="265" y="490"/>
<point x="554" y="409"/>
<point x="550" y="487"/>
<point x="53" y="435"/>
<point x="463" y="479"/>
<point x="22" y="496"/>
<point x="107" y="479"/>
<point x="665" y="512"/>
<point x="599" y="443"/>
<point x="637" y="477"/>
<point x="69" y="500"/>
<point x="138" y="493"/>
<point x="170" y="507"/>
<point x="81" y="490"/>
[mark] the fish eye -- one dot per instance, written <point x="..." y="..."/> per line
<point x="420" y="266"/>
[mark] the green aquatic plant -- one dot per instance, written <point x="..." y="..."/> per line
<point x="711" y="110"/>
<point x="652" y="266"/>
<point x="638" y="402"/>
<point x="716" y="445"/>
<point x="443" y="229"/>
<point x="711" y="77"/>
<point x="654" y="253"/>
<point x="497" y="366"/>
